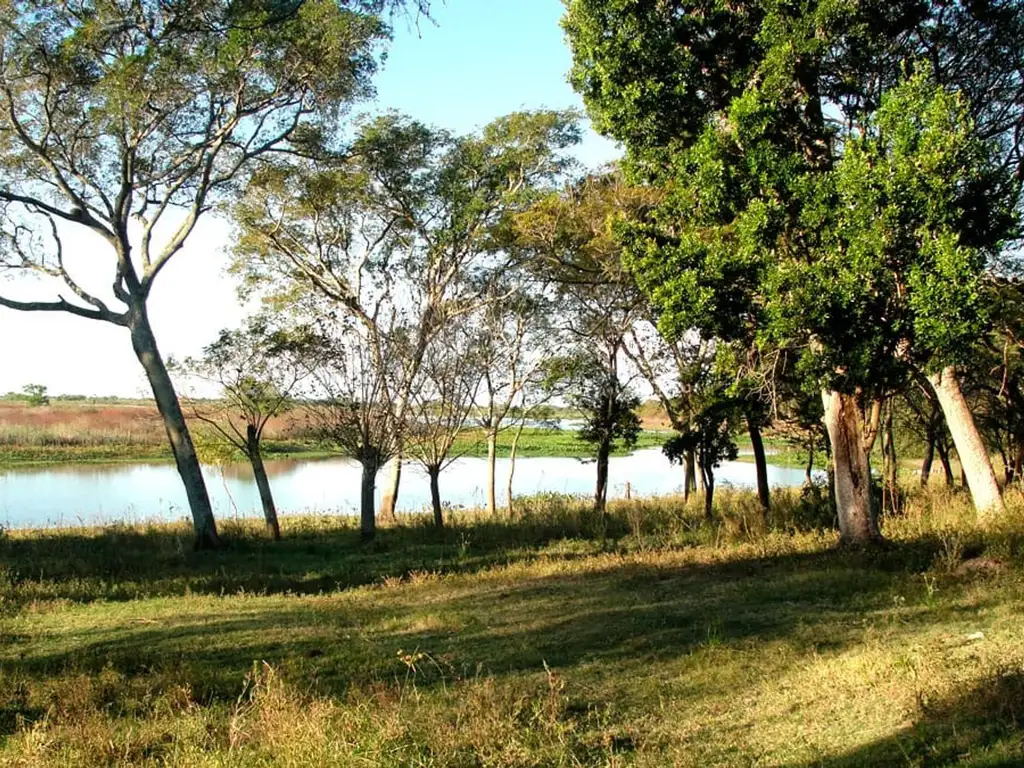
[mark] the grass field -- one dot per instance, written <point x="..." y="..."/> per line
<point x="132" y="431"/>
<point x="652" y="639"/>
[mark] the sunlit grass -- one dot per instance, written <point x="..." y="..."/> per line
<point x="645" y="638"/>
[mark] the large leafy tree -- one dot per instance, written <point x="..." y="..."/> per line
<point x="123" y="122"/>
<point x="758" y="120"/>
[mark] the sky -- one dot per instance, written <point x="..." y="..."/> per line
<point x="480" y="59"/>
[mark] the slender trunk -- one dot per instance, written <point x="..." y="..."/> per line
<point x="974" y="459"/>
<point x="144" y="344"/>
<point x="604" y="449"/>
<point x="389" y="500"/>
<point x="1017" y="460"/>
<point x="809" y="469"/>
<point x="435" y="496"/>
<point x="760" y="462"/>
<point x="263" y="484"/>
<point x="512" y="468"/>
<point x="709" y="491"/>
<point x="367" y="518"/>
<point x="890" y="465"/>
<point x="929" y="458"/>
<point x="843" y="419"/>
<point x="947" y="467"/>
<point x="492" y="460"/>
<point x="701" y="485"/>
<point x="690" y="478"/>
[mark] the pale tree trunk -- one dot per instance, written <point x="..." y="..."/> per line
<point x="761" y="463"/>
<point x="389" y="499"/>
<point x="144" y="344"/>
<point x="367" y="518"/>
<point x="974" y="459"/>
<point x="512" y="468"/>
<point x="851" y="471"/>
<point x="259" y="472"/>
<point x="435" y="496"/>
<point x="492" y="460"/>
<point x="690" y="477"/>
<point x="601" y="489"/>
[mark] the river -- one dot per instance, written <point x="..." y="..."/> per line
<point x="87" y="494"/>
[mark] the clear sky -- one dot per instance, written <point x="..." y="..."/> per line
<point x="482" y="59"/>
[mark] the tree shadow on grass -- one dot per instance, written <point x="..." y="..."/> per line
<point x="983" y="726"/>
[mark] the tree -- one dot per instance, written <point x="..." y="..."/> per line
<point x="35" y="395"/>
<point x="593" y="386"/>
<point x="514" y="338"/>
<point x="257" y="370"/>
<point x="440" y="404"/>
<point x="758" y="236"/>
<point x="125" y="123"/>
<point x="408" y="219"/>
<point x="351" y="403"/>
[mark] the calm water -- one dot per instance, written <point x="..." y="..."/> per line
<point x="89" y="494"/>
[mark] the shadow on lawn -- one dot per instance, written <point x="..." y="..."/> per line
<point x="981" y="727"/>
<point x="632" y="613"/>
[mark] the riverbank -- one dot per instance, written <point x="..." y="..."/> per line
<point x="532" y="443"/>
<point x="652" y="639"/>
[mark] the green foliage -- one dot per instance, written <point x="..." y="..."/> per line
<point x="35" y="395"/>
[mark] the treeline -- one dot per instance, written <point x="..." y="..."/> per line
<point x="813" y="231"/>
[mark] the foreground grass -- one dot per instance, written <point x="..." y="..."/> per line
<point x="651" y="639"/>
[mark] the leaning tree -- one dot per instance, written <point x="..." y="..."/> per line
<point x="123" y="123"/>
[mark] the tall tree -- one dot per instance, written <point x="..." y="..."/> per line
<point x="406" y="222"/>
<point x="257" y="370"/>
<point x="732" y="111"/>
<point x="124" y="123"/>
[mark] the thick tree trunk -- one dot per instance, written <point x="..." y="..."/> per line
<point x="389" y="500"/>
<point x="259" y="472"/>
<point x="928" y="460"/>
<point x="144" y="344"/>
<point x="852" y="473"/>
<point x="601" y="490"/>
<point x="760" y="462"/>
<point x="367" y="516"/>
<point x="690" y="478"/>
<point x="492" y="460"/>
<point x="974" y="459"/>
<point x="435" y="496"/>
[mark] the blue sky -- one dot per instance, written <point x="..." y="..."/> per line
<point x="482" y="59"/>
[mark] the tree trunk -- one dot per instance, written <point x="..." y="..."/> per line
<point x="435" y="496"/>
<point x="843" y="419"/>
<point x="601" y="491"/>
<point x="512" y="467"/>
<point x="809" y="469"/>
<point x="709" y="491"/>
<point x="760" y="462"/>
<point x="144" y="344"/>
<point x="492" y="460"/>
<point x="890" y="462"/>
<point x="690" y="477"/>
<point x="367" y="518"/>
<point x="947" y="468"/>
<point x="929" y="458"/>
<point x="263" y="484"/>
<point x="974" y="459"/>
<point x="389" y="500"/>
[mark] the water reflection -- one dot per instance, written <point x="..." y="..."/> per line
<point x="77" y="494"/>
